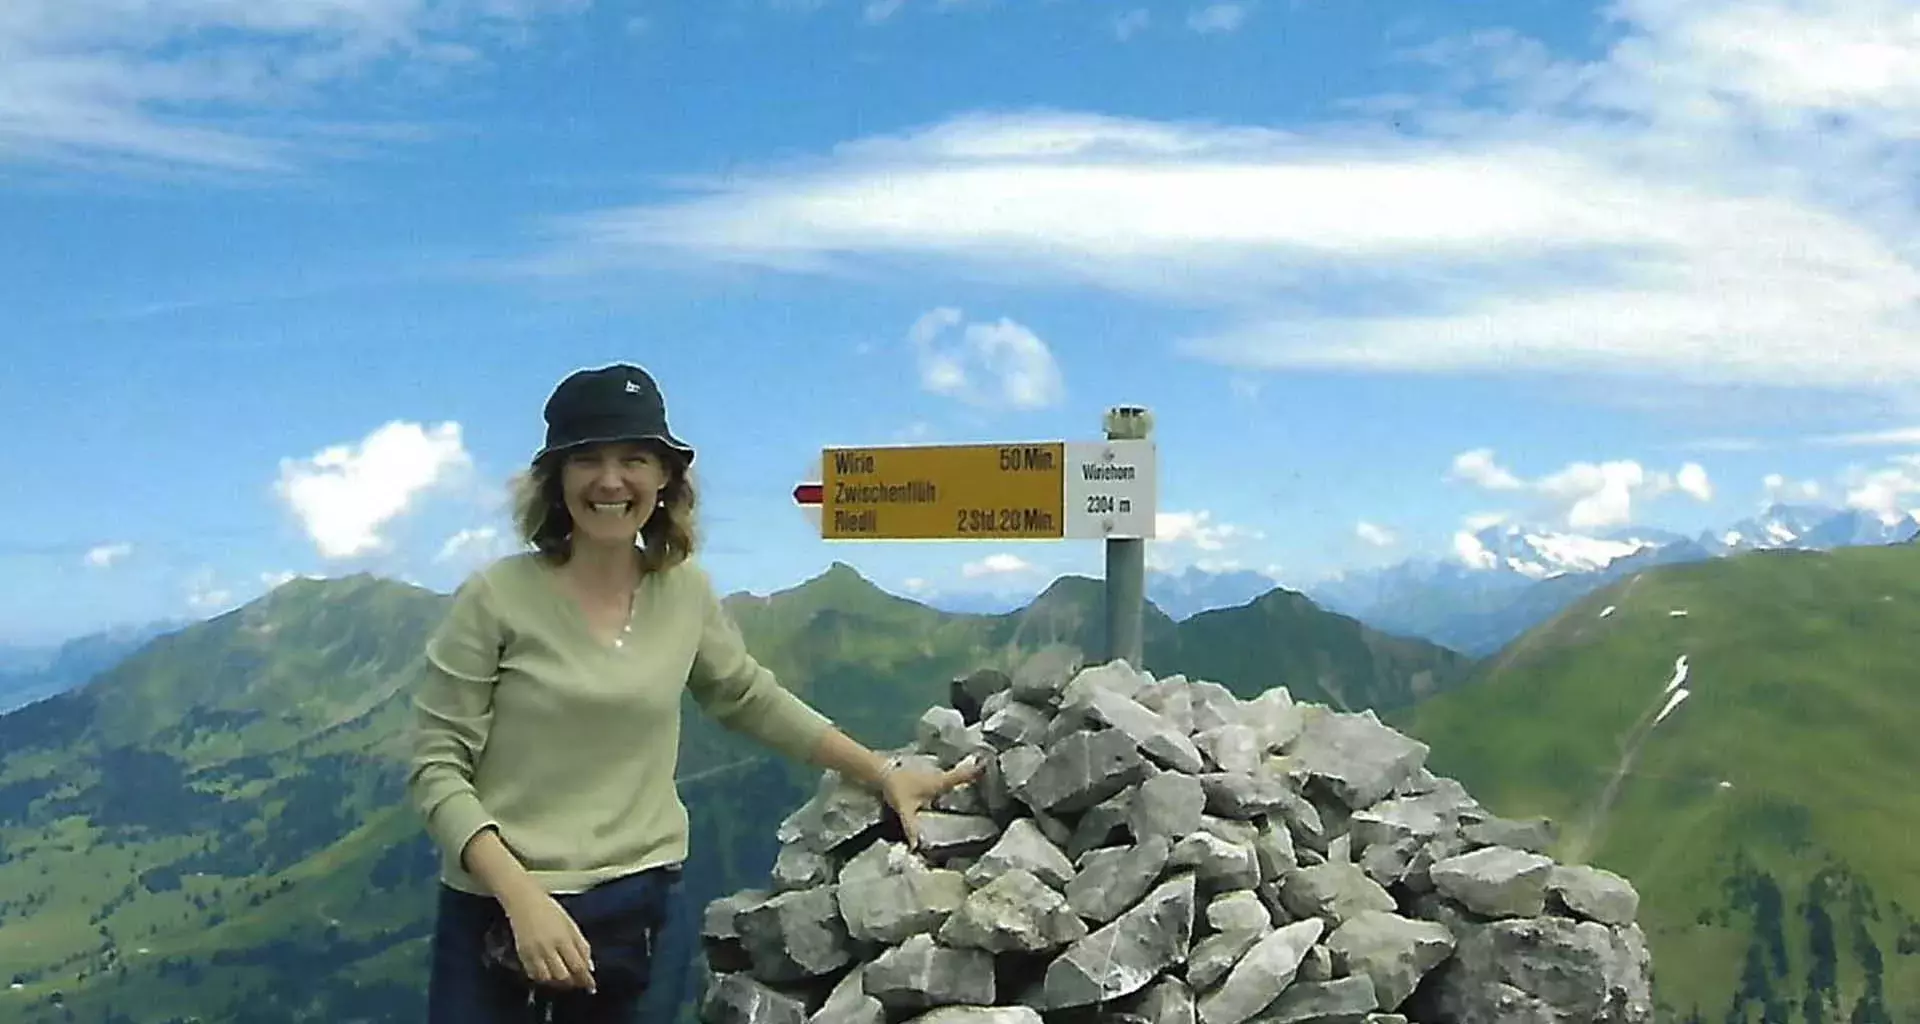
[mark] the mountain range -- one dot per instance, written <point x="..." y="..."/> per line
<point x="1507" y="578"/>
<point x="214" y="828"/>
<point x="28" y="674"/>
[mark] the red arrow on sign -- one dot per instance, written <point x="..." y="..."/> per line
<point x="809" y="494"/>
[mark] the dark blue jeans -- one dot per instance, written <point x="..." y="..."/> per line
<point x="463" y="989"/>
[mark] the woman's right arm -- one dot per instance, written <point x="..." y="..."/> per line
<point x="453" y="713"/>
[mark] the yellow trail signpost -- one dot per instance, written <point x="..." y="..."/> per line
<point x="1030" y="490"/>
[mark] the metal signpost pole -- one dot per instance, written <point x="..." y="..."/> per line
<point x="1126" y="557"/>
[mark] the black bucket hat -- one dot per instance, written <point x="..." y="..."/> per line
<point x="612" y="403"/>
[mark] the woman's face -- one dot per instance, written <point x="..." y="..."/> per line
<point x="611" y="489"/>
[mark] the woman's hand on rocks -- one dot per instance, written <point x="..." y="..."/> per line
<point x="909" y="788"/>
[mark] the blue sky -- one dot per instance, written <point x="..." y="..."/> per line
<point x="286" y="282"/>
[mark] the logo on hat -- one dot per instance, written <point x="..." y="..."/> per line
<point x="633" y="387"/>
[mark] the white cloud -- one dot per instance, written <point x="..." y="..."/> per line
<point x="1889" y="492"/>
<point x="1477" y="467"/>
<point x="199" y="83"/>
<point x="1131" y="24"/>
<point x="345" y="494"/>
<point x="205" y="596"/>
<point x="1199" y="531"/>
<point x="1780" y="489"/>
<point x="1587" y="495"/>
<point x="1378" y="536"/>
<point x="473" y="545"/>
<point x="1482" y="520"/>
<point x="105" y="555"/>
<point x="1218" y="18"/>
<point x="1471" y="551"/>
<point x="1713" y="201"/>
<point x="1895" y="437"/>
<point x="999" y="364"/>
<point x="999" y="564"/>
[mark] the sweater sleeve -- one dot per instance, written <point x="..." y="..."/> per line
<point x="452" y="712"/>
<point x="742" y="694"/>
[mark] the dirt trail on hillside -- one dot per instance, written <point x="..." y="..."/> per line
<point x="1596" y="818"/>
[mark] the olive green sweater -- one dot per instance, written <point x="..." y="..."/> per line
<point x="525" y="721"/>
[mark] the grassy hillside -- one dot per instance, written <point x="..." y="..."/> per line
<point x="1769" y="818"/>
<point x="216" y="828"/>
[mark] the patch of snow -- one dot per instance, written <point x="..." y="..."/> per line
<point x="1779" y="534"/>
<point x="1571" y="551"/>
<point x="1724" y="784"/>
<point x="1677" y="613"/>
<point x="1679" y="674"/>
<point x="16" y="986"/>
<point x="1672" y="702"/>
<point x="1732" y="538"/>
<point x="1608" y="610"/>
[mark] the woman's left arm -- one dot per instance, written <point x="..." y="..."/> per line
<point x="743" y="695"/>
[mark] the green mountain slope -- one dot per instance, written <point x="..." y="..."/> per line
<point x="1768" y="819"/>
<point x="215" y="828"/>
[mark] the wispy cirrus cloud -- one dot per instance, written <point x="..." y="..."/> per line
<point x="220" y="84"/>
<point x="1717" y="200"/>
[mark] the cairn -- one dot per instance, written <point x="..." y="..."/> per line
<point x="1161" y="852"/>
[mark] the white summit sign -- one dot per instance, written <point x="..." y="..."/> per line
<point x="1110" y="490"/>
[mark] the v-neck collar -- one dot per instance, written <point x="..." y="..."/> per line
<point x="577" y="613"/>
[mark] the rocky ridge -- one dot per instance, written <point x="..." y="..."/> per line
<point x="1142" y="850"/>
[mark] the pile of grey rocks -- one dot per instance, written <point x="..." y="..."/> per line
<point x="1142" y="850"/>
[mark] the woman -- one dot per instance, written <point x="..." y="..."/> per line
<point x="547" y="722"/>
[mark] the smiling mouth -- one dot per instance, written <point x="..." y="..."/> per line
<point x="613" y="508"/>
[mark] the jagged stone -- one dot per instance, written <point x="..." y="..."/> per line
<point x="956" y="835"/>
<point x="1024" y="848"/>
<point x="1113" y="879"/>
<point x="893" y="907"/>
<point x="1543" y="970"/>
<point x="1172" y="700"/>
<point x="796" y="935"/>
<point x="968" y="798"/>
<point x="1014" y="913"/>
<point x="1015" y="724"/>
<point x="969" y="693"/>
<point x="1234" y="749"/>
<point x="1221" y="863"/>
<point x="1275" y="719"/>
<point x="920" y="974"/>
<point x="1334" y="893"/>
<point x="1593" y="893"/>
<point x="1273" y="851"/>
<point x="796" y="867"/>
<point x="978" y="1015"/>
<point x="740" y="999"/>
<point x="1168" y="804"/>
<point x="849" y="1002"/>
<point x="1125" y="954"/>
<point x="721" y="918"/>
<point x="1355" y="757"/>
<point x="840" y="811"/>
<point x="1533" y="835"/>
<point x="1213" y="705"/>
<point x="1046" y="672"/>
<point x="1318" y="966"/>
<point x="1495" y="881"/>
<point x="1215" y="955"/>
<point x="1115" y="677"/>
<point x="1082" y="770"/>
<point x="1238" y="910"/>
<point x="1261" y="975"/>
<point x="992" y="705"/>
<point x="1167" y="1001"/>
<point x="1395" y="952"/>
<point x="1158" y="739"/>
<point x="1336" y="1001"/>
<point x="941" y="732"/>
<point x="1237" y="795"/>
<point x="1100" y="824"/>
